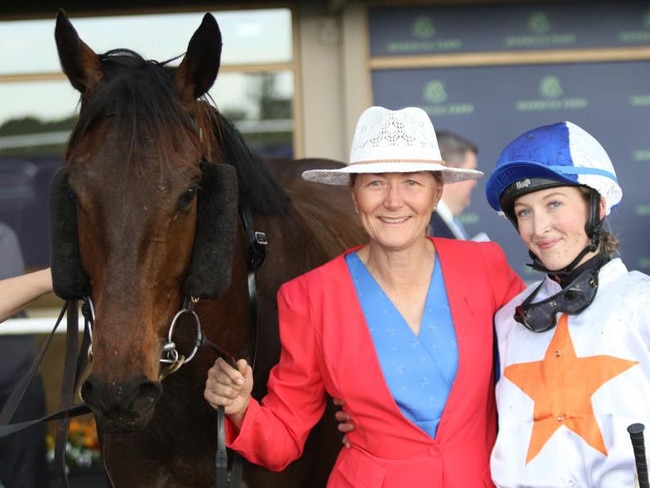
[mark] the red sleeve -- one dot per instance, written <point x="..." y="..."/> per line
<point x="274" y="432"/>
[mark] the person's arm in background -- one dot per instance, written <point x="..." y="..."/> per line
<point x="19" y="291"/>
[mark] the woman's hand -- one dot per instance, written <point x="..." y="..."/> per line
<point x="230" y="388"/>
<point x="344" y="420"/>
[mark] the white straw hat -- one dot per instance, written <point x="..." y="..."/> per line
<point x="393" y="141"/>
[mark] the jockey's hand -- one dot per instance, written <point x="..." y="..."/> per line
<point x="345" y="424"/>
<point x="230" y="388"/>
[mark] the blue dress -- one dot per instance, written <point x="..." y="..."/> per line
<point x="419" y="369"/>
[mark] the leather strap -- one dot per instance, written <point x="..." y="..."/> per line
<point x="256" y="256"/>
<point x="9" y="408"/>
<point x="221" y="458"/>
<point x="74" y="363"/>
<point x="74" y="411"/>
<point x="66" y="396"/>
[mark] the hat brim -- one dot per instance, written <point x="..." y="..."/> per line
<point x="341" y="176"/>
<point x="502" y="178"/>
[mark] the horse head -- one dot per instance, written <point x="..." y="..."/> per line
<point x="143" y="211"/>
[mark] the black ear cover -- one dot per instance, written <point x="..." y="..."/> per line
<point x="214" y="241"/>
<point x="69" y="278"/>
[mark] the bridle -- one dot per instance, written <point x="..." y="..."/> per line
<point x="256" y="243"/>
<point x="170" y="358"/>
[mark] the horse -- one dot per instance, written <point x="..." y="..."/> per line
<point x="178" y="235"/>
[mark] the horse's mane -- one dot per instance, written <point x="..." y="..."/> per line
<point x="141" y="95"/>
<point x="257" y="186"/>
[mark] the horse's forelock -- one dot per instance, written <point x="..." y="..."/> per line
<point x="141" y="97"/>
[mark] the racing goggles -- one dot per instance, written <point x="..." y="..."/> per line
<point x="542" y="316"/>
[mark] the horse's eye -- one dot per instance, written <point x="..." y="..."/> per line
<point x="188" y="197"/>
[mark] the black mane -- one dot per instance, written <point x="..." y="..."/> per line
<point x="257" y="187"/>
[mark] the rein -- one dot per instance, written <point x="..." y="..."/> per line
<point x="76" y="359"/>
<point x="256" y="255"/>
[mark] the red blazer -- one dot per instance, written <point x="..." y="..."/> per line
<point x="326" y="347"/>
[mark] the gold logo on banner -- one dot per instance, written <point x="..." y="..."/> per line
<point x="423" y="32"/>
<point x="644" y="262"/>
<point x="550" y="93"/>
<point x="641" y="35"/>
<point x="538" y="23"/>
<point x="550" y="87"/>
<point x="423" y="28"/>
<point x="435" y="95"/>
<point x="435" y="92"/>
<point x="643" y="210"/>
<point x="640" y="100"/>
<point x="641" y="155"/>
<point x="541" y="35"/>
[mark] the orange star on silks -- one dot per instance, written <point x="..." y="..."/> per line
<point x="561" y="385"/>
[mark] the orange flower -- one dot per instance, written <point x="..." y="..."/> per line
<point x="83" y="444"/>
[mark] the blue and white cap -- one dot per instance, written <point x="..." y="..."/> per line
<point x="562" y="153"/>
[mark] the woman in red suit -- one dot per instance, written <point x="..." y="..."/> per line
<point x="400" y="329"/>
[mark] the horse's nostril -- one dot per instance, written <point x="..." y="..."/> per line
<point x="129" y="398"/>
<point x="86" y="392"/>
<point x="145" y="396"/>
<point x="150" y="390"/>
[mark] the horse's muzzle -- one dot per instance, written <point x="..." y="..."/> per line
<point x="122" y="407"/>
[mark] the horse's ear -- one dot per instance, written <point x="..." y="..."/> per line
<point x="68" y="276"/>
<point x="200" y="66"/>
<point x="79" y="63"/>
<point x="214" y="241"/>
